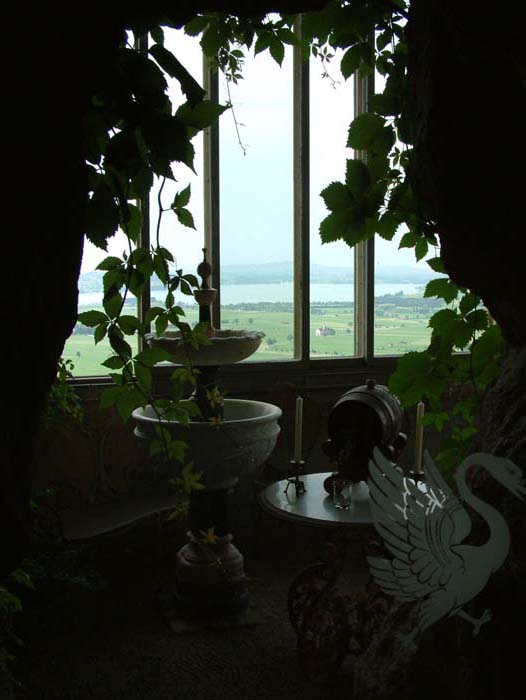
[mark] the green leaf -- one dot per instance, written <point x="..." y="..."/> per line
<point x="167" y="137"/>
<point x="350" y="61"/>
<point x="436" y="264"/>
<point x="100" y="332"/>
<point x="22" y="578"/>
<point x="127" y="401"/>
<point x="212" y="39"/>
<point x="357" y="177"/>
<point x="421" y="249"/>
<point x="161" y="268"/>
<point x="132" y="222"/>
<point x="114" y="362"/>
<point x="365" y="130"/>
<point x="110" y="396"/>
<point x="144" y="376"/>
<point x="408" y="240"/>
<point x="201" y="115"/>
<point x="157" y="35"/>
<point x="287" y="36"/>
<point x="102" y="216"/>
<point x="182" y="198"/>
<point x="478" y="319"/>
<point x="92" y="318"/>
<point x="185" y="217"/>
<point x="110" y="263"/>
<point x="348" y="226"/>
<point x="112" y="303"/>
<point x="185" y="288"/>
<point x="193" y="91"/>
<point x="277" y="51"/>
<point x="451" y="327"/>
<point x="161" y="324"/>
<point x="486" y="356"/>
<point x="118" y="344"/>
<point x="469" y="302"/>
<point x="152" y="356"/>
<point x="336" y="196"/>
<point x="387" y="226"/>
<point x="262" y="42"/>
<point x="128" y="324"/>
<point x="196" y="25"/>
<point x="443" y="288"/>
<point x="152" y="313"/>
<point x="165" y="254"/>
<point x="414" y="379"/>
<point x="191" y="279"/>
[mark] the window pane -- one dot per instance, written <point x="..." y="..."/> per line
<point x="183" y="242"/>
<point x="80" y="346"/>
<point x="256" y="205"/>
<point x="401" y="313"/>
<point x="332" y="264"/>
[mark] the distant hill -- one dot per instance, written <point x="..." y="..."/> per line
<point x="271" y="273"/>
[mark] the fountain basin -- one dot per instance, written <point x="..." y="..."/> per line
<point x="226" y="347"/>
<point x="239" y="445"/>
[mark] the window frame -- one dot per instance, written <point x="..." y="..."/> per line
<point x="302" y="370"/>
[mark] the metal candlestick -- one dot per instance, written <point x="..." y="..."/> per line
<point x="205" y="295"/>
<point x="299" y="485"/>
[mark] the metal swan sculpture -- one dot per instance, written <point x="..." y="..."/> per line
<point x="424" y="528"/>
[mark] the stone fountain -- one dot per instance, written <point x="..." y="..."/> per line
<point x="209" y="569"/>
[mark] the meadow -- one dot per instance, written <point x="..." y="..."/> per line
<point x="400" y="325"/>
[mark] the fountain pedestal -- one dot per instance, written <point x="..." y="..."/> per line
<point x="232" y="437"/>
<point x="210" y="572"/>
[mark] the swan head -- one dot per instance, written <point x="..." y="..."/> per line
<point x="504" y="471"/>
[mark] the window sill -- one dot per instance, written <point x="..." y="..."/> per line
<point x="260" y="377"/>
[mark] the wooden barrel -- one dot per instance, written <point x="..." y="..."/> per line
<point x="370" y="409"/>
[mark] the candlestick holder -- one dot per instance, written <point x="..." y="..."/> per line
<point x="299" y="485"/>
<point x="418" y="476"/>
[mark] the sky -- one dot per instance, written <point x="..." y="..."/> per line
<point x="256" y="187"/>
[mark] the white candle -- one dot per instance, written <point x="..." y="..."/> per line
<point x="298" y="431"/>
<point x="419" y="436"/>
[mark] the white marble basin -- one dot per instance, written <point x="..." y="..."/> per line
<point x="239" y="445"/>
<point x="226" y="347"/>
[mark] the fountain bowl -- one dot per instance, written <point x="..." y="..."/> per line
<point x="222" y="453"/>
<point x="226" y="347"/>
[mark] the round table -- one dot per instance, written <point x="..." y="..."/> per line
<point x="314" y="506"/>
<point x="321" y="601"/>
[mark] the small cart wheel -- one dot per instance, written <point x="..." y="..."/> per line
<point x="323" y="640"/>
<point x="306" y="588"/>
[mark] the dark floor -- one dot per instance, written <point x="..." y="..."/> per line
<point x="114" y="643"/>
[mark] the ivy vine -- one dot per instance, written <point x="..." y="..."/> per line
<point x="133" y="134"/>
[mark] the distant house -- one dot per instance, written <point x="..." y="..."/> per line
<point x="324" y="330"/>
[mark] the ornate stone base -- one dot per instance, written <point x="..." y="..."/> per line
<point x="210" y="578"/>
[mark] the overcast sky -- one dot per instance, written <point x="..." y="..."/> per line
<point x="257" y="186"/>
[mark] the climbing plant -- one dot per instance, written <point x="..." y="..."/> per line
<point x="133" y="134"/>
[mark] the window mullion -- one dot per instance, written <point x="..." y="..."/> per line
<point x="144" y="301"/>
<point x="211" y="189"/>
<point x="301" y="196"/>
<point x="364" y="251"/>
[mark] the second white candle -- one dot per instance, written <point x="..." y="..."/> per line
<point x="299" y="429"/>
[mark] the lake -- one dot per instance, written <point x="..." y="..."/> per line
<point x="278" y="292"/>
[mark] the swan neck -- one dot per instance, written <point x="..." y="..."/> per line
<point x="499" y="537"/>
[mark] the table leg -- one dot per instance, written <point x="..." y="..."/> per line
<point x="331" y="616"/>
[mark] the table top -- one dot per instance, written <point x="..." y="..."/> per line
<point x="315" y="506"/>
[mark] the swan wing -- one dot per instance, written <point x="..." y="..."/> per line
<point x="439" y="492"/>
<point x="416" y="529"/>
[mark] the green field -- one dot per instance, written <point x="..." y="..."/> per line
<point x="400" y="325"/>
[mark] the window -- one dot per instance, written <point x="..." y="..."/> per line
<point x="256" y="207"/>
